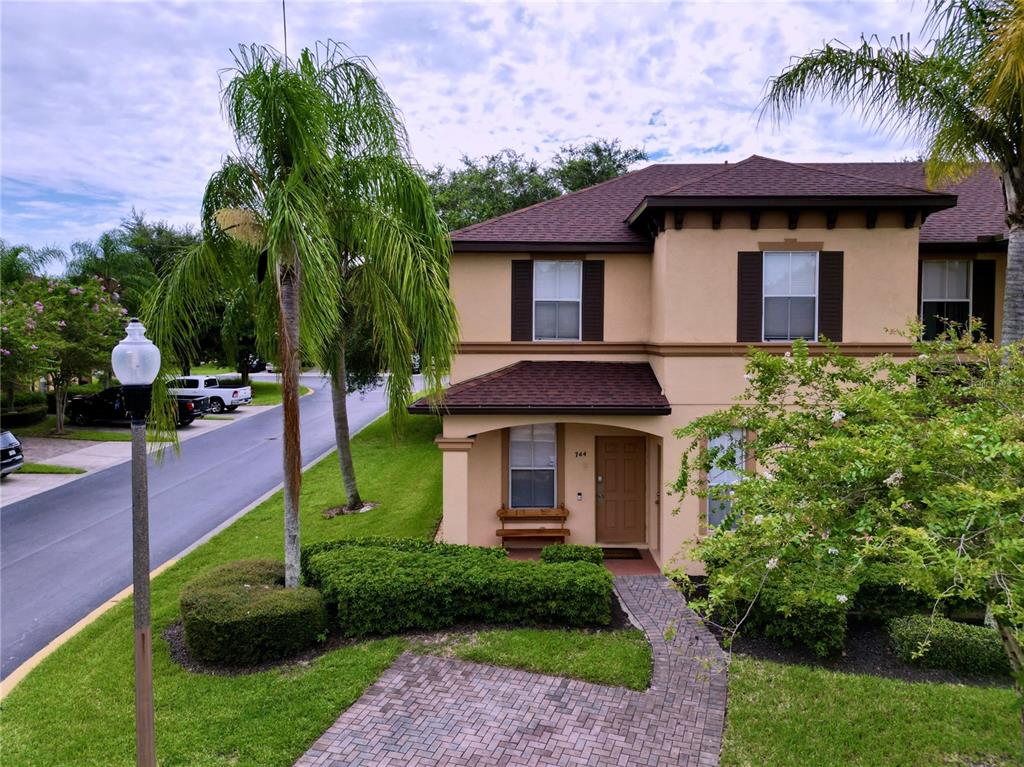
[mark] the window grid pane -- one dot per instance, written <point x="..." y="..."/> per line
<point x="789" y="291"/>
<point x="557" y="299"/>
<point x="532" y="463"/>
<point x="719" y="508"/>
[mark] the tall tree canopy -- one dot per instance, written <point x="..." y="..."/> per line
<point x="500" y="183"/>
<point x="22" y="262"/>
<point x="317" y="211"/>
<point x="962" y="95"/>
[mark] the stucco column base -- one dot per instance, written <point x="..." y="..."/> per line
<point x="455" y="458"/>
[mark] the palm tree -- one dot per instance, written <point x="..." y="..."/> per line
<point x="19" y="263"/>
<point x="310" y="198"/>
<point x="264" y="213"/>
<point x="963" y="95"/>
<point x="120" y="268"/>
<point x="392" y="249"/>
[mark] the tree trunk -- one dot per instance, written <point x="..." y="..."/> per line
<point x="339" y="393"/>
<point x="288" y="340"/>
<point x="245" y="375"/>
<point x="60" y="396"/>
<point x="1016" y="654"/>
<point x="1013" y="290"/>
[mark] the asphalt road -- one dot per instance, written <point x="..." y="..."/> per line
<point x="66" y="551"/>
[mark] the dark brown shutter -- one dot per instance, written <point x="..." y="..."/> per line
<point x="522" y="300"/>
<point x="983" y="295"/>
<point x="749" y="291"/>
<point x="593" y="301"/>
<point x="830" y="295"/>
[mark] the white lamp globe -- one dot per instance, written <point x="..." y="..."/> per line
<point x="136" y="359"/>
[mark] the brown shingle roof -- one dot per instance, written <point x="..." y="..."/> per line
<point x="596" y="217"/>
<point x="562" y="387"/>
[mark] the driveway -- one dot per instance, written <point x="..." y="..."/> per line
<point x="67" y="550"/>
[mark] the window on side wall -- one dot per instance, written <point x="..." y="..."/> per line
<point x="790" y="293"/>
<point x="719" y="508"/>
<point x="945" y="295"/>
<point x="531" y="466"/>
<point x="557" y="287"/>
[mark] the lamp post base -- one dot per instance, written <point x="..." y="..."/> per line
<point x="145" y="746"/>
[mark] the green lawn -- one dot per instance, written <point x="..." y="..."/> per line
<point x="45" y="428"/>
<point x="45" y="468"/>
<point x="783" y="715"/>
<point x="620" y="658"/>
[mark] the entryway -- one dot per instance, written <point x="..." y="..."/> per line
<point x="621" y="479"/>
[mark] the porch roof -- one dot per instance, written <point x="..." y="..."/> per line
<point x="556" y="387"/>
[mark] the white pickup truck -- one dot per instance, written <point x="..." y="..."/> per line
<point x="221" y="397"/>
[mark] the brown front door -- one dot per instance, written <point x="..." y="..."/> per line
<point x="621" y="489"/>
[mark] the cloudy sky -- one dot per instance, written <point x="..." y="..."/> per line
<point x="111" y="105"/>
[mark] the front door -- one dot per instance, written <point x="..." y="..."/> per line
<point x="621" y="489"/>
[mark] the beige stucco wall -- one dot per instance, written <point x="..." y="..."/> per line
<point x="481" y="286"/>
<point x="695" y="289"/>
<point x="683" y="293"/>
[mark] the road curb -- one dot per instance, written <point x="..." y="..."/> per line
<point x="12" y="679"/>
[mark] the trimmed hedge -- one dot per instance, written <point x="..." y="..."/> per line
<point x="24" y="416"/>
<point x="240" y="614"/>
<point x="572" y="552"/>
<point x="385" y="589"/>
<point x="951" y="646"/>
<point x="397" y="544"/>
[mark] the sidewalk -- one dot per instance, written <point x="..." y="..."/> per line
<point x="94" y="456"/>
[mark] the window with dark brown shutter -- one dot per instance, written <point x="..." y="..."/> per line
<point x="830" y="295"/>
<point x="983" y="296"/>
<point x="750" y="274"/>
<point x="593" y="301"/>
<point x="522" y="300"/>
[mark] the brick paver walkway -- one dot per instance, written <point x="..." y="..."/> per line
<point x="426" y="710"/>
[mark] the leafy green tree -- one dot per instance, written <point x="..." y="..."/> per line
<point x="579" y="166"/>
<point x="63" y="330"/>
<point x="122" y="270"/>
<point x="158" y="242"/>
<point x="21" y="359"/>
<point x="19" y="263"/>
<point x="912" y="468"/>
<point x="488" y="187"/>
<point x="963" y="94"/>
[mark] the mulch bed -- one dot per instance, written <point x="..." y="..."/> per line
<point x="868" y="651"/>
<point x="337" y="511"/>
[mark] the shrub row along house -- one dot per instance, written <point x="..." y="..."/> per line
<point x="595" y="324"/>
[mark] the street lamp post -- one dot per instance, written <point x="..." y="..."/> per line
<point x="136" y="363"/>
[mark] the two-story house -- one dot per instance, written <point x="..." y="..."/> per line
<point x="597" y="323"/>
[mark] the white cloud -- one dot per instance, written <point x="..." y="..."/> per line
<point x="114" y="105"/>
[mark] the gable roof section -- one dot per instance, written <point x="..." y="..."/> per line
<point x="560" y="387"/>
<point x="594" y="219"/>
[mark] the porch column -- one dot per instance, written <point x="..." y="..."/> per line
<point x="455" y="462"/>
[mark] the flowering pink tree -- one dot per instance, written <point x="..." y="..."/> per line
<point x="63" y="331"/>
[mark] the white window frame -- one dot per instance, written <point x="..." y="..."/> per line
<point x="512" y="467"/>
<point x="738" y="440"/>
<point x="970" y="286"/>
<point x="765" y="295"/>
<point x="533" y="305"/>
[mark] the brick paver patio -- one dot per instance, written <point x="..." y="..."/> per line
<point x="426" y="710"/>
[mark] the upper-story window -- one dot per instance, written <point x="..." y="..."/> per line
<point x="945" y="294"/>
<point x="790" y="293"/>
<point x="557" y="287"/>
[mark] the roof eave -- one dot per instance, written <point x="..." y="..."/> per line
<point x="427" y="409"/>
<point x="521" y="246"/>
<point x="928" y="202"/>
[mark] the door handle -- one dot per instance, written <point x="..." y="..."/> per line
<point x="600" y="489"/>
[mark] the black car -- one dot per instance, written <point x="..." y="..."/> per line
<point x="11" y="458"/>
<point x="108" y="405"/>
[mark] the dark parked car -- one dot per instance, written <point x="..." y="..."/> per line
<point x="108" y="405"/>
<point x="10" y="453"/>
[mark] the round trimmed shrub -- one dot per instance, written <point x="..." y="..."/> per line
<point x="240" y="614"/>
<point x="572" y="552"/>
<point x="949" y="645"/>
